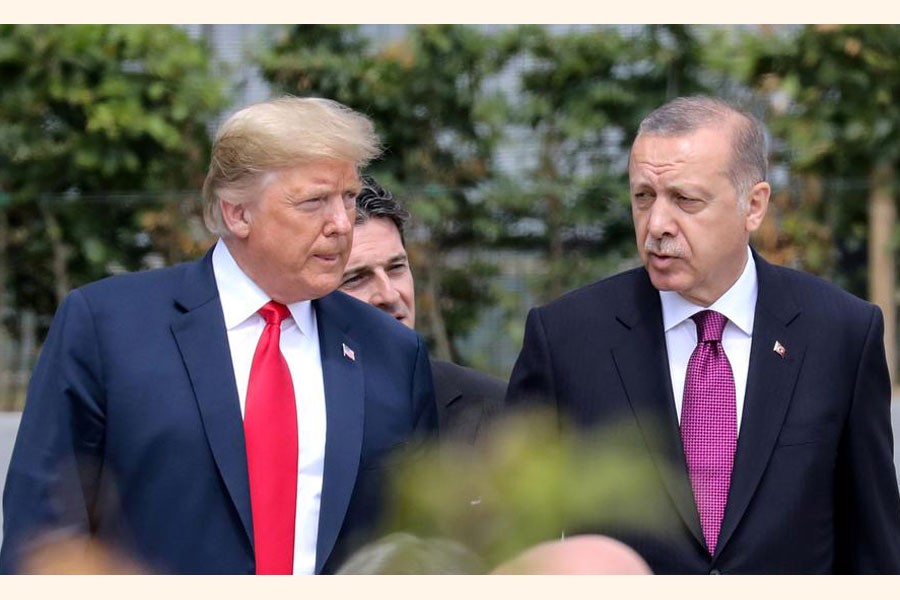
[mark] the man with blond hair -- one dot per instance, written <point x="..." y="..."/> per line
<point x="233" y="414"/>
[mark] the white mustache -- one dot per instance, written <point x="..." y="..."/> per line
<point x="665" y="246"/>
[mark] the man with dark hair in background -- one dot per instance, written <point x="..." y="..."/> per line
<point x="378" y="272"/>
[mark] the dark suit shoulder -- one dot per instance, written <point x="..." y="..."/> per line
<point x="823" y="302"/>
<point x="813" y="289"/>
<point x="140" y="283"/>
<point x="599" y="310"/>
<point x="467" y="400"/>
<point x="465" y="380"/>
<point x="140" y="297"/>
<point x="614" y="289"/>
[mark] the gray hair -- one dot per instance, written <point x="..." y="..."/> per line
<point x="264" y="137"/>
<point x="749" y="159"/>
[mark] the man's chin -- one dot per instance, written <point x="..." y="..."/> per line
<point x="664" y="282"/>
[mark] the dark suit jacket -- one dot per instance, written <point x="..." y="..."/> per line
<point x="132" y="429"/>
<point x="466" y="400"/>
<point x="813" y="486"/>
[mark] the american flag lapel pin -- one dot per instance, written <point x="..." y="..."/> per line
<point x="348" y="352"/>
<point x="779" y="349"/>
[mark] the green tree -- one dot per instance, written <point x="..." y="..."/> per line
<point x="834" y="95"/>
<point x="428" y="96"/>
<point x="582" y="96"/>
<point x="87" y="112"/>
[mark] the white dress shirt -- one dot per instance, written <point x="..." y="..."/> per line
<point x="738" y="304"/>
<point x="241" y="298"/>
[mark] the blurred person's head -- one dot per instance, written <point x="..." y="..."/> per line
<point x="378" y="271"/>
<point x="577" y="555"/>
<point x="697" y="175"/>
<point x="280" y="192"/>
<point x="406" y="554"/>
<point x="67" y="554"/>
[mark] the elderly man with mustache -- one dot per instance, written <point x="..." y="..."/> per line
<point x="761" y="393"/>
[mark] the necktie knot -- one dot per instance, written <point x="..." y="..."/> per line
<point x="710" y="325"/>
<point x="274" y="312"/>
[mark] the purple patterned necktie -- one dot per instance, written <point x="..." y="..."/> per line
<point x="709" y="423"/>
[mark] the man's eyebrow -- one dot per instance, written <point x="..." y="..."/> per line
<point x="368" y="268"/>
<point x="357" y="271"/>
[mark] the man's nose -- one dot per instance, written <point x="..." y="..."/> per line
<point x="340" y="218"/>
<point x="660" y="220"/>
<point x="386" y="294"/>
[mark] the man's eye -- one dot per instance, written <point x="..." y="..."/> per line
<point x="642" y="198"/>
<point x="686" y="201"/>
<point x="351" y="281"/>
<point x="307" y="203"/>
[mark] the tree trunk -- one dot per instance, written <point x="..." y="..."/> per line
<point x="882" y="264"/>
<point x="432" y="304"/>
<point x="555" y="212"/>
<point x="62" y="283"/>
<point x="6" y="399"/>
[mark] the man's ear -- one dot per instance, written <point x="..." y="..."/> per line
<point x="236" y="218"/>
<point x="757" y="205"/>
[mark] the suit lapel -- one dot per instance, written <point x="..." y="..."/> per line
<point x="447" y="393"/>
<point x="643" y="366"/>
<point x="770" y="384"/>
<point x="203" y="342"/>
<point x="344" y="406"/>
<point x="447" y="390"/>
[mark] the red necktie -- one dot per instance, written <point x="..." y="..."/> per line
<point x="270" y="430"/>
<point x="709" y="423"/>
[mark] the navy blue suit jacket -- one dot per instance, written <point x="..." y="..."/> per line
<point x="813" y="487"/>
<point x="132" y="430"/>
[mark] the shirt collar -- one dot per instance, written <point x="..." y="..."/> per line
<point x="241" y="298"/>
<point x="738" y="304"/>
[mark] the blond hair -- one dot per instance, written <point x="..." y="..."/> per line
<point x="267" y="136"/>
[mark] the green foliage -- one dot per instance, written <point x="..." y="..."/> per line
<point x="834" y="99"/>
<point x="91" y="111"/>
<point x="838" y="88"/>
<point x="582" y="97"/>
<point x="515" y="488"/>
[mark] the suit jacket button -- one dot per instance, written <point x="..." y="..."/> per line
<point x="715" y="572"/>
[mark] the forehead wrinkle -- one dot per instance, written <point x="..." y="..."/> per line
<point x="669" y="175"/>
<point x="661" y="168"/>
<point x="398" y="256"/>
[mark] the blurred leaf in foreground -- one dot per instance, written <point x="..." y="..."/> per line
<point x="523" y="484"/>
